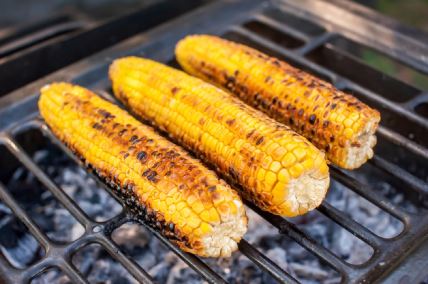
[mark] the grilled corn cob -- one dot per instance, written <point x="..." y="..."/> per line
<point x="159" y="181"/>
<point x="279" y="170"/>
<point x="334" y="121"/>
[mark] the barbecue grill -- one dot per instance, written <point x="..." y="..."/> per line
<point x="325" y="38"/>
<point x="43" y="43"/>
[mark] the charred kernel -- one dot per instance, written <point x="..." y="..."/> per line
<point x="250" y="133"/>
<point x="152" y="176"/>
<point x="312" y="118"/>
<point x="133" y="138"/>
<point x="174" y="90"/>
<point x="275" y="100"/>
<point x="122" y="132"/>
<point x="96" y="125"/>
<point x="230" y="122"/>
<point x="301" y="111"/>
<point x="260" y="140"/>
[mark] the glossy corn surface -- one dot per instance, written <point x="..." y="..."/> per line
<point x="159" y="181"/>
<point x="335" y="122"/>
<point x="278" y="170"/>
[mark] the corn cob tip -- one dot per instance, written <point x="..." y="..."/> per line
<point x="360" y="148"/>
<point x="306" y="193"/>
<point x="157" y="179"/>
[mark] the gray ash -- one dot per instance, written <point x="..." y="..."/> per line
<point x="19" y="247"/>
<point x="162" y="264"/>
<point x="97" y="203"/>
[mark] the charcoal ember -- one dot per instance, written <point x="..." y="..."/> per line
<point x="180" y="273"/>
<point x="95" y="201"/>
<point x="138" y="243"/>
<point x="164" y="266"/>
<point x="279" y="256"/>
<point x="98" y="267"/>
<point x="19" y="247"/>
<point x="51" y="276"/>
<point x="309" y="271"/>
<point x="103" y="271"/>
<point x="132" y="236"/>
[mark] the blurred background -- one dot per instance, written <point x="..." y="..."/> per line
<point x="411" y="12"/>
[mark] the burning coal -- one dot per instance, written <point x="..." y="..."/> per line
<point x="135" y="240"/>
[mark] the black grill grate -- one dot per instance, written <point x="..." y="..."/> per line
<point x="402" y="142"/>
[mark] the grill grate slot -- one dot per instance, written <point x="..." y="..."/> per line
<point x="422" y="109"/>
<point x="291" y="21"/>
<point x="269" y="32"/>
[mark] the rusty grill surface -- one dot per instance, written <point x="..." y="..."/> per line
<point x="308" y="36"/>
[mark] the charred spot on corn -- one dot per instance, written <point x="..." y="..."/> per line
<point x="260" y="140"/>
<point x="97" y="126"/>
<point x="141" y="156"/>
<point x="230" y="122"/>
<point x="174" y="90"/>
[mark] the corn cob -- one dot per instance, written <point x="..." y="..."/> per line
<point x="159" y="181"/>
<point x="278" y="170"/>
<point x="334" y="121"/>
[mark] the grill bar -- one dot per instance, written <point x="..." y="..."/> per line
<point x="360" y="231"/>
<point x="24" y="218"/>
<point x="139" y="274"/>
<point x="265" y="263"/>
<point x="367" y="192"/>
<point x="66" y="201"/>
<point x="399" y="140"/>
<point x="413" y="182"/>
<point x="300" y="237"/>
<point x="38" y="37"/>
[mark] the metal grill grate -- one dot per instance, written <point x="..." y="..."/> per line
<point x="311" y="46"/>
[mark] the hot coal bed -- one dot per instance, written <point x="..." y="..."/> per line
<point x="165" y="267"/>
<point x="59" y="223"/>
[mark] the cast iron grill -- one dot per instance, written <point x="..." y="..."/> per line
<point x="306" y="37"/>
